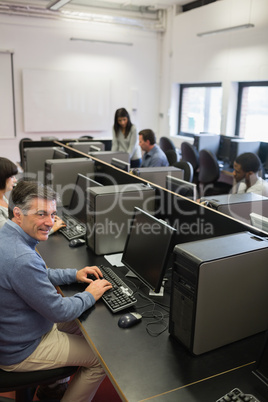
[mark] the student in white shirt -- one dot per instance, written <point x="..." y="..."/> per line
<point x="246" y="168"/>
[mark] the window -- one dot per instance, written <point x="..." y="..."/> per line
<point x="200" y="108"/>
<point x="252" y="111"/>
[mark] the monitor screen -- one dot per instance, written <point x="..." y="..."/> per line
<point x="148" y="248"/>
<point x="261" y="368"/>
<point x="157" y="175"/>
<point x="59" y="154"/>
<point x="239" y="146"/>
<point x="181" y="187"/>
<point x="121" y="164"/>
<point x="224" y="148"/>
<point x="78" y="203"/>
<point x="259" y="221"/>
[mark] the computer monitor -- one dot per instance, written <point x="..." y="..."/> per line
<point x="259" y="221"/>
<point x="261" y="367"/>
<point x="263" y="155"/>
<point x="60" y="154"/>
<point x="181" y="187"/>
<point x="157" y="175"/>
<point x="94" y="148"/>
<point x="121" y="164"/>
<point x="85" y="145"/>
<point x="77" y="206"/>
<point x="224" y="148"/>
<point x="208" y="141"/>
<point x="106" y="156"/>
<point x="148" y="248"/>
<point x="239" y="146"/>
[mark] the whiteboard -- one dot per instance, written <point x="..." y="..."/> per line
<point x="7" y="110"/>
<point x="65" y="101"/>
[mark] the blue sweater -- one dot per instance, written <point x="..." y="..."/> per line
<point x="29" y="302"/>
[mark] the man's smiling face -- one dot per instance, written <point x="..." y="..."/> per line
<point x="38" y="220"/>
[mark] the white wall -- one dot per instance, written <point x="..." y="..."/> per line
<point x="152" y="68"/>
<point x="44" y="44"/>
<point x="224" y="57"/>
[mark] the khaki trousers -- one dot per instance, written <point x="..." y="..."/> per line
<point x="63" y="346"/>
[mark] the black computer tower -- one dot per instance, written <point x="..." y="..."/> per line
<point x="219" y="291"/>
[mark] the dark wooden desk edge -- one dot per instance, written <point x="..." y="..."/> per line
<point x="93" y="347"/>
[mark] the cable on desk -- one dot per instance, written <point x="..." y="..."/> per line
<point x="142" y="295"/>
<point x="159" y="317"/>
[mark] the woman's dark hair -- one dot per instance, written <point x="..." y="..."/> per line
<point x="7" y="169"/>
<point x="122" y="112"/>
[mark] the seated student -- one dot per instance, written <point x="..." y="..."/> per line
<point x="246" y="167"/>
<point x="38" y="331"/>
<point x="153" y="154"/>
<point x="8" y="171"/>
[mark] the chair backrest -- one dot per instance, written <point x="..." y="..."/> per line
<point x="189" y="153"/>
<point x="172" y="156"/>
<point x="166" y="144"/>
<point x="89" y="137"/>
<point x="187" y="169"/>
<point x="209" y="170"/>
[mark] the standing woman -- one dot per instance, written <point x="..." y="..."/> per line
<point x="8" y="170"/>
<point x="125" y="137"/>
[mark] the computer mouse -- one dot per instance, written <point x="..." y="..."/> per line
<point x="76" y="242"/>
<point x="129" y="319"/>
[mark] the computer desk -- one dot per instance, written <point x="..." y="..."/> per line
<point x="143" y="367"/>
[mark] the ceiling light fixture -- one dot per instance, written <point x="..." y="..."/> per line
<point x="56" y="4"/>
<point x="234" y="28"/>
<point x="103" y="41"/>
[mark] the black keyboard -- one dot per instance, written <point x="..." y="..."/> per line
<point x="73" y="229"/>
<point x="238" y="396"/>
<point x="120" y="296"/>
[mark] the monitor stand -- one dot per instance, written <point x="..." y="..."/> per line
<point x="130" y="274"/>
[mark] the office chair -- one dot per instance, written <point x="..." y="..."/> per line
<point x="189" y="153"/>
<point x="208" y="175"/>
<point x="172" y="156"/>
<point x="89" y="137"/>
<point x="187" y="170"/>
<point x="166" y="144"/>
<point x="25" y="383"/>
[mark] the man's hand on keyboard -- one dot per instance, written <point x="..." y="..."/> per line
<point x="82" y="274"/>
<point x="98" y="288"/>
<point x="58" y="224"/>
